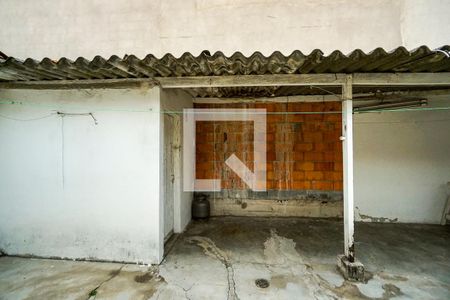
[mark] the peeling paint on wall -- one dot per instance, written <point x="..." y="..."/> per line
<point x="364" y="217"/>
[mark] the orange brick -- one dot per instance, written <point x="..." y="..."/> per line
<point x="251" y="155"/>
<point x="289" y="156"/>
<point x="328" y="175"/>
<point x="204" y="137"/>
<point x="283" y="147"/>
<point x="281" y="185"/>
<point x="337" y="117"/>
<point x="202" y="145"/>
<point x="333" y="146"/>
<point x="199" y="174"/>
<point x="271" y="128"/>
<point x="331" y="136"/>
<point x="281" y="107"/>
<point x="305" y="166"/>
<point x="295" y="117"/>
<point x="338" y="176"/>
<point x="270" y="147"/>
<point x="333" y="175"/>
<point x="294" y="106"/>
<point x="314" y="175"/>
<point x="315" y="126"/>
<point x="275" y="118"/>
<point x="205" y="155"/>
<point x="209" y="174"/>
<point x="312" y="136"/>
<point x="218" y="171"/>
<point x="305" y="107"/>
<point x="281" y="156"/>
<point x="226" y="184"/>
<point x="300" y="185"/>
<point x="285" y="127"/>
<point x="270" y="107"/>
<point x="337" y="186"/>
<point x="218" y="156"/>
<point x="314" y="117"/>
<point x="298" y="156"/>
<point x="239" y="184"/>
<point x="313" y="156"/>
<point x="318" y="107"/>
<point x="282" y="166"/>
<point x="322" y="185"/>
<point x="323" y="146"/>
<point x="279" y="175"/>
<point x="290" y="136"/>
<point x="337" y="146"/>
<point x="298" y="175"/>
<point x="270" y="156"/>
<point x="204" y="165"/>
<point x="328" y="156"/>
<point x="243" y="147"/>
<point x="332" y="106"/>
<point x="204" y="126"/>
<point x="324" y="166"/>
<point x="303" y="147"/>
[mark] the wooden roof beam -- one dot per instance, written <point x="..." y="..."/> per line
<point x="359" y="79"/>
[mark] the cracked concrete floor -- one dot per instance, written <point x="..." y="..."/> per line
<point x="221" y="259"/>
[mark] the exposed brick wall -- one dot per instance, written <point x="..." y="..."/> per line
<point x="303" y="150"/>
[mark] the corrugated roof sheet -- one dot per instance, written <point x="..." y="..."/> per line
<point x="421" y="59"/>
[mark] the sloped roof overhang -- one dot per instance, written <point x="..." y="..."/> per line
<point x="216" y="75"/>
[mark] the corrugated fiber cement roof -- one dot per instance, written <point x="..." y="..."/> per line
<point x="421" y="59"/>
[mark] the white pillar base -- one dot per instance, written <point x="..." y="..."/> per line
<point x="353" y="271"/>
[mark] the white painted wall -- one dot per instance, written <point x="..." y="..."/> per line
<point x="173" y="102"/>
<point x="425" y="23"/>
<point x="73" y="28"/>
<point x="70" y="188"/>
<point x="402" y="164"/>
<point x="170" y="154"/>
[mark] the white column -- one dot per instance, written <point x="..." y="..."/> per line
<point x="347" y="147"/>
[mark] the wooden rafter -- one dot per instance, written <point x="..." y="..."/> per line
<point x="441" y="80"/>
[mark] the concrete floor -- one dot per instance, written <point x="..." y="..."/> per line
<point x="221" y="258"/>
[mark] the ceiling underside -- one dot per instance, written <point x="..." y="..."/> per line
<point x="282" y="91"/>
